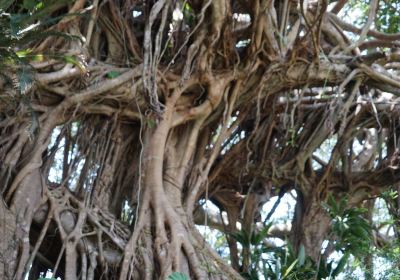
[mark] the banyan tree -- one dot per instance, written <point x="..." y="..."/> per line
<point x="120" y="119"/>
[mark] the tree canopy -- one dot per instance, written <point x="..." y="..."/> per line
<point x="120" y="121"/>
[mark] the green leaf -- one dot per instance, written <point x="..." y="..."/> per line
<point x="289" y="269"/>
<point x="324" y="269"/>
<point x="5" y="4"/>
<point x="177" y="276"/>
<point x="340" y="265"/>
<point x="73" y="60"/>
<point x="36" y="57"/>
<point x="360" y="232"/>
<point x="16" y="24"/>
<point x="29" y="4"/>
<point x="257" y="238"/>
<point x="302" y="255"/>
<point x="112" y="74"/>
<point x="23" y="53"/>
<point x="278" y="268"/>
<point x="45" y="9"/>
<point x="151" y="123"/>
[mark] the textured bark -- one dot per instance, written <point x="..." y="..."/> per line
<point x="8" y="242"/>
<point x="311" y="227"/>
<point x="109" y="153"/>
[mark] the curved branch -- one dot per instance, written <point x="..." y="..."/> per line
<point x="349" y="27"/>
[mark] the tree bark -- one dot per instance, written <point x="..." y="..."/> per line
<point x="310" y="226"/>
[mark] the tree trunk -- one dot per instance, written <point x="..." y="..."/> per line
<point x="16" y="224"/>
<point x="8" y="243"/>
<point x="157" y="105"/>
<point x="162" y="223"/>
<point x="310" y="226"/>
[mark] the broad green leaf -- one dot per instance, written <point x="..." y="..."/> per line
<point x="23" y="53"/>
<point x="112" y="74"/>
<point x="177" y="276"/>
<point x="302" y="255"/>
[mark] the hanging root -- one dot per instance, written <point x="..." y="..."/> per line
<point x="164" y="232"/>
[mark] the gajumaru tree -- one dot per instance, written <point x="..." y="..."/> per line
<point x="115" y="129"/>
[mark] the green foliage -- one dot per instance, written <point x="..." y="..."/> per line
<point x="255" y="239"/>
<point x="349" y="225"/>
<point x="293" y="135"/>
<point x="352" y="237"/>
<point x="282" y="262"/>
<point x="241" y="237"/>
<point x="29" y="4"/>
<point x="188" y="14"/>
<point x="295" y="266"/>
<point x="5" y="4"/>
<point x="390" y="194"/>
<point x="387" y="20"/>
<point x="255" y="242"/>
<point x="128" y="214"/>
<point x="326" y="269"/>
<point x="391" y="254"/>
<point x="177" y="276"/>
<point x="112" y="74"/>
<point x="20" y="26"/>
<point x="74" y="61"/>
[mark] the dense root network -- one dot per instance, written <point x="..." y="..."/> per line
<point x="113" y="136"/>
